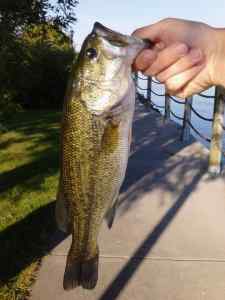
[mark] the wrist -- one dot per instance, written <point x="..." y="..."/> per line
<point x="219" y="57"/>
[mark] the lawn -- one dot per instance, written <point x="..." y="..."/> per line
<point x="29" y="162"/>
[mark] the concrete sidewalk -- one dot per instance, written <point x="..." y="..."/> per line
<point x="168" y="239"/>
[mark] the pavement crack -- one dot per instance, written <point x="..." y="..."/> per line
<point x="155" y="258"/>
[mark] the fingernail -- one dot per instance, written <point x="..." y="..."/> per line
<point x="196" y="55"/>
<point x="160" y="46"/>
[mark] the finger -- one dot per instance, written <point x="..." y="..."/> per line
<point x="182" y="93"/>
<point x="186" y="92"/>
<point x="144" y="60"/>
<point x="167" y="57"/>
<point x="176" y="83"/>
<point x="186" y="62"/>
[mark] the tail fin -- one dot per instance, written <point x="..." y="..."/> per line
<point x="72" y="275"/>
<point x="89" y="273"/>
<point x="84" y="273"/>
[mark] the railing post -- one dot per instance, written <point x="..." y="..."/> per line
<point x="149" y="89"/>
<point x="167" y="108"/>
<point x="186" y="130"/>
<point x="136" y="77"/>
<point x="136" y="83"/>
<point x="215" y="157"/>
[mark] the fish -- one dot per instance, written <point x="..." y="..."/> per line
<point x="95" y="142"/>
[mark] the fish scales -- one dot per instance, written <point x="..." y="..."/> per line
<point x="90" y="173"/>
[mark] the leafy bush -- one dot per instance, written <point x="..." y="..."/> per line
<point x="35" y="68"/>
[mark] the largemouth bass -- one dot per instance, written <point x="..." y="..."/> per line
<point x="95" y="141"/>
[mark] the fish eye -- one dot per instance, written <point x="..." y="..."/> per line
<point x="91" y="53"/>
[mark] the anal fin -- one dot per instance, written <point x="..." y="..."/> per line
<point x="61" y="213"/>
<point x="111" y="213"/>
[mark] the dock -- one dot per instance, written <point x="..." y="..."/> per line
<point x="168" y="239"/>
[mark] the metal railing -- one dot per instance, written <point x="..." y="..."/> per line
<point x="217" y="120"/>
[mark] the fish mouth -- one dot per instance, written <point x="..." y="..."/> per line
<point x="119" y="39"/>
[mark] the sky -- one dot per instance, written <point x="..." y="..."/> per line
<point x="126" y="16"/>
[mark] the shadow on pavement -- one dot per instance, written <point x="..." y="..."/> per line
<point x="123" y="277"/>
<point x="149" y="168"/>
<point x="155" y="155"/>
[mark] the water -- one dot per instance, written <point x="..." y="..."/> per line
<point x="202" y="105"/>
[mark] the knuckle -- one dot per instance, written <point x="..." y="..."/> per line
<point x="171" y="85"/>
<point x="151" y="71"/>
<point x="147" y="73"/>
<point x="180" y="48"/>
<point x="168" y="20"/>
<point x="181" y="95"/>
<point x="160" y="78"/>
<point x="136" y="32"/>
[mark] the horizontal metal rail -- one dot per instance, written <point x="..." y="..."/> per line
<point x="176" y="101"/>
<point x="199" y="133"/>
<point x="156" y="94"/>
<point x="157" y="105"/>
<point x="200" y="116"/>
<point x="140" y="88"/>
<point x="176" y="116"/>
<point x="145" y="100"/>
<point x="139" y="77"/>
<point x="206" y="96"/>
<point x="217" y="120"/>
<point x="156" y="81"/>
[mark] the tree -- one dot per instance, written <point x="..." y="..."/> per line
<point x="14" y="14"/>
<point x="35" y="52"/>
<point x="46" y="67"/>
<point x="35" y="74"/>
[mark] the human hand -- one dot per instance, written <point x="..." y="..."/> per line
<point x="188" y="57"/>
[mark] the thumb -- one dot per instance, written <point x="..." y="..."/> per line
<point x="151" y="32"/>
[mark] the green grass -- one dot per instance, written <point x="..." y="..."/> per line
<point x="28" y="183"/>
